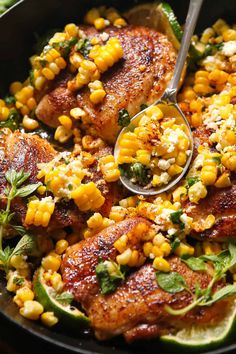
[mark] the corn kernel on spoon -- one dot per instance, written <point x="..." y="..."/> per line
<point x="169" y="107"/>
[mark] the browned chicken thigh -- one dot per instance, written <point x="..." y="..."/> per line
<point x="139" y="77"/>
<point x="136" y="308"/>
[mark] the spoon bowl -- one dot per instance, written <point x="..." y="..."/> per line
<point x="169" y="110"/>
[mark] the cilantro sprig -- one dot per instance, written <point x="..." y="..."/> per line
<point x="174" y="282"/>
<point x="109" y="275"/>
<point x="15" y="189"/>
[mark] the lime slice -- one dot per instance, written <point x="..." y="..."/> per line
<point x="205" y="336"/>
<point x="46" y="295"/>
<point x="158" y="16"/>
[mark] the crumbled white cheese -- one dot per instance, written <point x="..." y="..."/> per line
<point x="163" y="164"/>
<point x="104" y="36"/>
<point x="164" y="178"/>
<point x="229" y="48"/>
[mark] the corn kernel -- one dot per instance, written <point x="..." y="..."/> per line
<point x="31" y="310"/>
<point x="61" y="246"/>
<point x="125" y="257"/>
<point x="29" y="123"/>
<point x="50" y="262"/>
<point x="161" y="264"/>
<point x="65" y="121"/>
<point x="49" y="319"/>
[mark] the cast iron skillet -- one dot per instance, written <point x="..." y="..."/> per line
<point x="17" y="28"/>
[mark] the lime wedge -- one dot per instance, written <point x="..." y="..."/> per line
<point x="46" y="295"/>
<point x="205" y="336"/>
<point x="158" y="16"/>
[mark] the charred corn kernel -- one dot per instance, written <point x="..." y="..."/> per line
<point x="220" y="26"/>
<point x="179" y="194"/>
<point x="184" y="249"/>
<point x="49" y="319"/>
<point x="29" y="123"/>
<point x="71" y="29"/>
<point x="100" y="23"/>
<point x="196" y="120"/>
<point x="223" y="181"/>
<point x="62" y="134"/>
<point x="165" y="248"/>
<point x="24" y="294"/>
<point x="4" y="113"/>
<point x="48" y="74"/>
<point x="196" y="192"/>
<point x="60" y="62"/>
<point x="181" y="158"/>
<point x="41" y="190"/>
<point x="120" y="22"/>
<point x="61" y="246"/>
<point x="147" y="248"/>
<point x="91" y="16"/>
<point x="207" y="34"/>
<point x="187" y="94"/>
<point x="97" y="96"/>
<point x="109" y="168"/>
<point x="124" y="257"/>
<point x="129" y="202"/>
<point x="161" y="264"/>
<point x="143" y="156"/>
<point x="15" y="87"/>
<point x="31" y="310"/>
<point x="95" y="221"/>
<point x="51" y="262"/>
<point x="65" y="121"/>
<point x="77" y="113"/>
<point x="229" y="160"/>
<point x="209" y="221"/>
<point x="229" y="35"/>
<point x="18" y="262"/>
<point x="39" y="212"/>
<point x="88" y="197"/>
<point x="39" y="82"/>
<point x="117" y="213"/>
<point x="133" y="259"/>
<point x="208" y="175"/>
<point x="121" y="243"/>
<point x="218" y="76"/>
<point x="107" y="55"/>
<point x="56" y="282"/>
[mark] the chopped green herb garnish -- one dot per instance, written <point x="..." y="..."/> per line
<point x="18" y="281"/>
<point x="143" y="106"/>
<point x="171" y="282"/>
<point x="124" y="118"/>
<point x="175" y="218"/>
<point x="217" y="160"/>
<point x="31" y="77"/>
<point x="12" y="121"/>
<point x="10" y="100"/>
<point x="175" y="243"/>
<point x="65" y="46"/>
<point x="192" y="180"/>
<point x="109" y="275"/>
<point x="136" y="171"/>
<point x="84" y="46"/>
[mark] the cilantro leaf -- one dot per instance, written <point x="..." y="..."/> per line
<point x="175" y="243"/>
<point x="65" y="46"/>
<point x="194" y="263"/>
<point x="124" y="118"/>
<point x="109" y="275"/>
<point x="12" y="121"/>
<point x="175" y="218"/>
<point x="171" y="282"/>
<point x="136" y="171"/>
<point x="26" y="245"/>
<point x="9" y="99"/>
<point x="27" y="190"/>
<point x="226" y="291"/>
<point x="65" y="298"/>
<point x="18" y="281"/>
<point x="84" y="46"/>
<point x="192" y="180"/>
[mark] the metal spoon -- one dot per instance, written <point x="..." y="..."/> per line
<point x="168" y="104"/>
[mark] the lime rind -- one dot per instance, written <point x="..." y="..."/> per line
<point x="67" y="314"/>
<point x="205" y="336"/>
<point x="169" y="13"/>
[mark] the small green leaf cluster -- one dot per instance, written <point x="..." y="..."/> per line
<point x="124" y="118"/>
<point x="109" y="275"/>
<point x="174" y="282"/>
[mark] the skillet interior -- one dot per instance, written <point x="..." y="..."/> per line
<point x="17" y="28"/>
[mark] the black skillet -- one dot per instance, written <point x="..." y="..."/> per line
<point x="17" y="37"/>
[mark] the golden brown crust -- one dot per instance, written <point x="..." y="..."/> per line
<point x="127" y="86"/>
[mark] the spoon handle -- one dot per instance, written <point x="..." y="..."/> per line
<point x="193" y="12"/>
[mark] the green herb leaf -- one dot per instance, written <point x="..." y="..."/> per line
<point x="26" y="245"/>
<point x="5" y="254"/>
<point x="171" y="282"/>
<point x="65" y="46"/>
<point x="196" y="264"/>
<point x="175" y="218"/>
<point x="84" y="46"/>
<point x="192" y="180"/>
<point x="16" y="178"/>
<point x="18" y="281"/>
<point x="10" y="100"/>
<point x="217" y="160"/>
<point x="175" y="243"/>
<point x="12" y="121"/>
<point x="226" y="291"/>
<point x="65" y="298"/>
<point x="20" y="229"/>
<point x="109" y="275"/>
<point x="143" y="106"/>
<point x="124" y="118"/>
<point x="136" y="171"/>
<point x="27" y="190"/>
